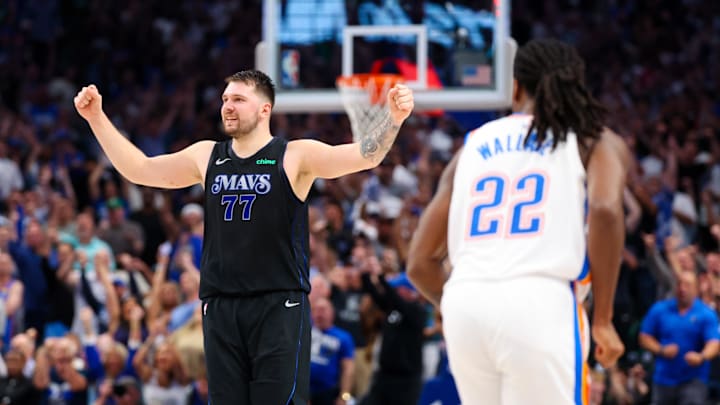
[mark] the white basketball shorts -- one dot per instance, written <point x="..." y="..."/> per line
<point x="516" y="342"/>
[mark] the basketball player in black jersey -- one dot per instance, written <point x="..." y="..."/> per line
<point x="254" y="280"/>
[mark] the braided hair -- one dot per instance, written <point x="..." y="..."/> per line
<point x="553" y="74"/>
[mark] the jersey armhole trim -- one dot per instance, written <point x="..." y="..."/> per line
<point x="578" y="158"/>
<point x="213" y="154"/>
<point x="284" y="176"/>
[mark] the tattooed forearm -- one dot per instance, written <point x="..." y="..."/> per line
<point x="376" y="143"/>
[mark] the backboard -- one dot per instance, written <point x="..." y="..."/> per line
<point x="457" y="55"/>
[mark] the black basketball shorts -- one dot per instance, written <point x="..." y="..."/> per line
<point x="257" y="349"/>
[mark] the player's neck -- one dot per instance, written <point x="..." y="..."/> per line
<point x="525" y="107"/>
<point x="248" y="144"/>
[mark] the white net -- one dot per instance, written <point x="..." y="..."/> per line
<point x="364" y="99"/>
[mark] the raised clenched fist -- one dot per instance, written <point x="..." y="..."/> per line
<point x="88" y="102"/>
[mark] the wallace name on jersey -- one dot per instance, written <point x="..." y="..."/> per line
<point x="259" y="183"/>
<point x="514" y="143"/>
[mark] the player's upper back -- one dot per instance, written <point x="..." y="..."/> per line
<point x="517" y="208"/>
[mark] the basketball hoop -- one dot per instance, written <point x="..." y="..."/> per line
<point x="363" y="96"/>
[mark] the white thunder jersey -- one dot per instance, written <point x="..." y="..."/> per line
<point x="517" y="210"/>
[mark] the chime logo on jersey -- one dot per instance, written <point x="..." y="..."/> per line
<point x="259" y="183"/>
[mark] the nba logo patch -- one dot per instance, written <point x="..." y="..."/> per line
<point x="290" y="68"/>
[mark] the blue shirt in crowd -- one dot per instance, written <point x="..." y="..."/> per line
<point x="441" y="389"/>
<point x="327" y="350"/>
<point x="690" y="331"/>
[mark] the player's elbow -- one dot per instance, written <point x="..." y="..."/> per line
<point x="137" y="171"/>
<point x="134" y="178"/>
<point x="415" y="268"/>
<point x="370" y="161"/>
<point x="154" y="172"/>
<point x="412" y="271"/>
<point x="606" y="212"/>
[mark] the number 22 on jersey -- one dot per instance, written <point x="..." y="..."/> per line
<point x="507" y="208"/>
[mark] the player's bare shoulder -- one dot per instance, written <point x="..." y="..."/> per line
<point x="608" y="143"/>
<point x="297" y="152"/>
<point x="200" y="153"/>
<point x="618" y="144"/>
<point x="293" y="162"/>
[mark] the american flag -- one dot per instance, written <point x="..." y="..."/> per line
<point x="476" y="75"/>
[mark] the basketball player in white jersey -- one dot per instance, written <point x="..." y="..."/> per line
<point x="510" y="214"/>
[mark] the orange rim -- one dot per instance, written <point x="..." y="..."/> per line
<point x="364" y="79"/>
<point x="376" y="84"/>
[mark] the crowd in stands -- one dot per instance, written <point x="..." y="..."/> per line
<point x="99" y="278"/>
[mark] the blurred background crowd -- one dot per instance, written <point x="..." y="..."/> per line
<point x="99" y="278"/>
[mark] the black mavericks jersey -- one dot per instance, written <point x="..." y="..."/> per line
<point x="256" y="233"/>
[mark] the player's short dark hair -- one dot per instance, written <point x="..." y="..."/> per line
<point x="553" y="74"/>
<point x="262" y="82"/>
